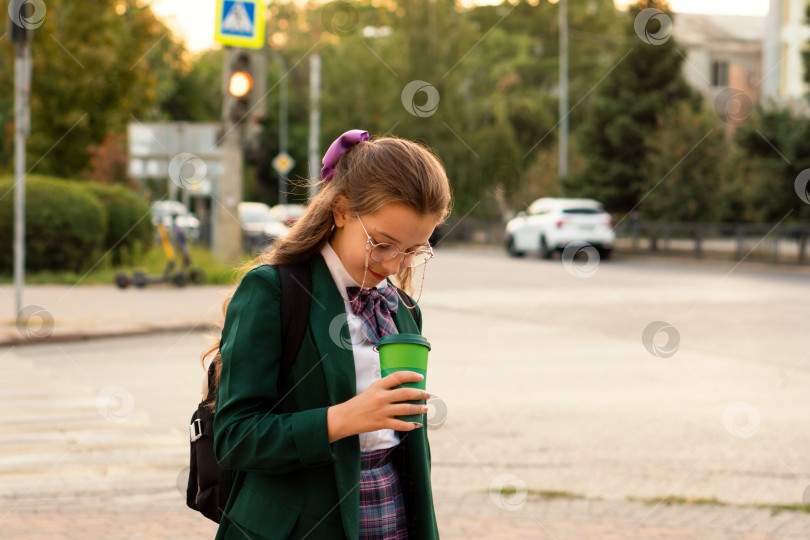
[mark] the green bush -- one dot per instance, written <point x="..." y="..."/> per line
<point x="65" y="225"/>
<point x="129" y="227"/>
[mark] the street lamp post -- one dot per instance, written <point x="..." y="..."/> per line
<point x="563" y="85"/>
<point x="314" y="122"/>
<point x="20" y="36"/>
<point x="282" y="124"/>
<point x="313" y="150"/>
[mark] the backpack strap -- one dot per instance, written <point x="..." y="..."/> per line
<point x="296" y="299"/>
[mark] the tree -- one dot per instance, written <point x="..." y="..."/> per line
<point x="494" y="69"/>
<point x="96" y="65"/>
<point x="689" y="164"/>
<point x="108" y="161"/>
<point x="775" y="143"/>
<point x="645" y="82"/>
<point x="196" y="90"/>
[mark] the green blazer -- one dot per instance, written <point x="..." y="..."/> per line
<point x="290" y="482"/>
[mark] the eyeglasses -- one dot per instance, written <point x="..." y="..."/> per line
<point x="382" y="252"/>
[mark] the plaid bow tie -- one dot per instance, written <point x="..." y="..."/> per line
<point x="375" y="307"/>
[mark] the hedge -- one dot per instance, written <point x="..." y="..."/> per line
<point x="129" y="227"/>
<point x="65" y="225"/>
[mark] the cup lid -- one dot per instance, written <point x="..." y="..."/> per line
<point x="412" y="339"/>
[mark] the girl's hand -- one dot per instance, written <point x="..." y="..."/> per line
<point x="376" y="407"/>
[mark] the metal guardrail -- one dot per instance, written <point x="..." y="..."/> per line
<point x="760" y="242"/>
<point x="470" y="230"/>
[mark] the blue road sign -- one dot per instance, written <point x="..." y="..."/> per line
<point x="240" y="23"/>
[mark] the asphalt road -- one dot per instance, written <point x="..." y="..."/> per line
<point x="547" y="375"/>
<point x="544" y="381"/>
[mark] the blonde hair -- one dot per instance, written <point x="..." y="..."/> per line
<point x="370" y="175"/>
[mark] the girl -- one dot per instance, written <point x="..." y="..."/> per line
<point x="325" y="457"/>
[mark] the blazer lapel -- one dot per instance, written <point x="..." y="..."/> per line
<point x="328" y="322"/>
<point x="406" y="324"/>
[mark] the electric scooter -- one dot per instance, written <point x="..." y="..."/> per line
<point x="188" y="273"/>
<point x="180" y="278"/>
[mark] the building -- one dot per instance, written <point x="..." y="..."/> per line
<point x="786" y="36"/>
<point x="721" y="51"/>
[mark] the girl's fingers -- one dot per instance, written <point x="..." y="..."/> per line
<point x="406" y="426"/>
<point x="407" y="394"/>
<point x="401" y="409"/>
<point x="400" y="377"/>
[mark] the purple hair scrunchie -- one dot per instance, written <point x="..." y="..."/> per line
<point x="338" y="148"/>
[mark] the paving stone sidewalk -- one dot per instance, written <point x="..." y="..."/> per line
<point x="471" y="516"/>
<point x="66" y="313"/>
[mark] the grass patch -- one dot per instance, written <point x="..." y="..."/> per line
<point x="509" y="490"/>
<point x="713" y="501"/>
<point x="779" y="508"/>
<point x="551" y="494"/>
<point x="151" y="262"/>
<point x="672" y="499"/>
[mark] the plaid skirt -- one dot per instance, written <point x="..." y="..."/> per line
<point x="382" y="508"/>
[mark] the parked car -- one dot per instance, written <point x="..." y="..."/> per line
<point x="260" y="227"/>
<point x="288" y="213"/>
<point x="175" y="212"/>
<point x="551" y="224"/>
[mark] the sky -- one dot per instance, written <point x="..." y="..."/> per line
<point x="193" y="20"/>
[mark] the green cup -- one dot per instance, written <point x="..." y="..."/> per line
<point x="405" y="352"/>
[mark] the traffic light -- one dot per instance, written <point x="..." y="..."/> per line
<point x="240" y="84"/>
<point x="243" y="90"/>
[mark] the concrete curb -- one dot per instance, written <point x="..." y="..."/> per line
<point x="12" y="338"/>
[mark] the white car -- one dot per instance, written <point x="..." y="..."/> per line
<point x="288" y="213"/>
<point x="551" y="224"/>
<point x="259" y="226"/>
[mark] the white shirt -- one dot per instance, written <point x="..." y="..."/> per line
<point x="366" y="359"/>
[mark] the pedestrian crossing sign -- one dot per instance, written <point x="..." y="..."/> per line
<point x="240" y="23"/>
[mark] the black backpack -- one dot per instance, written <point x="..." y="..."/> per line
<point x="209" y="485"/>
